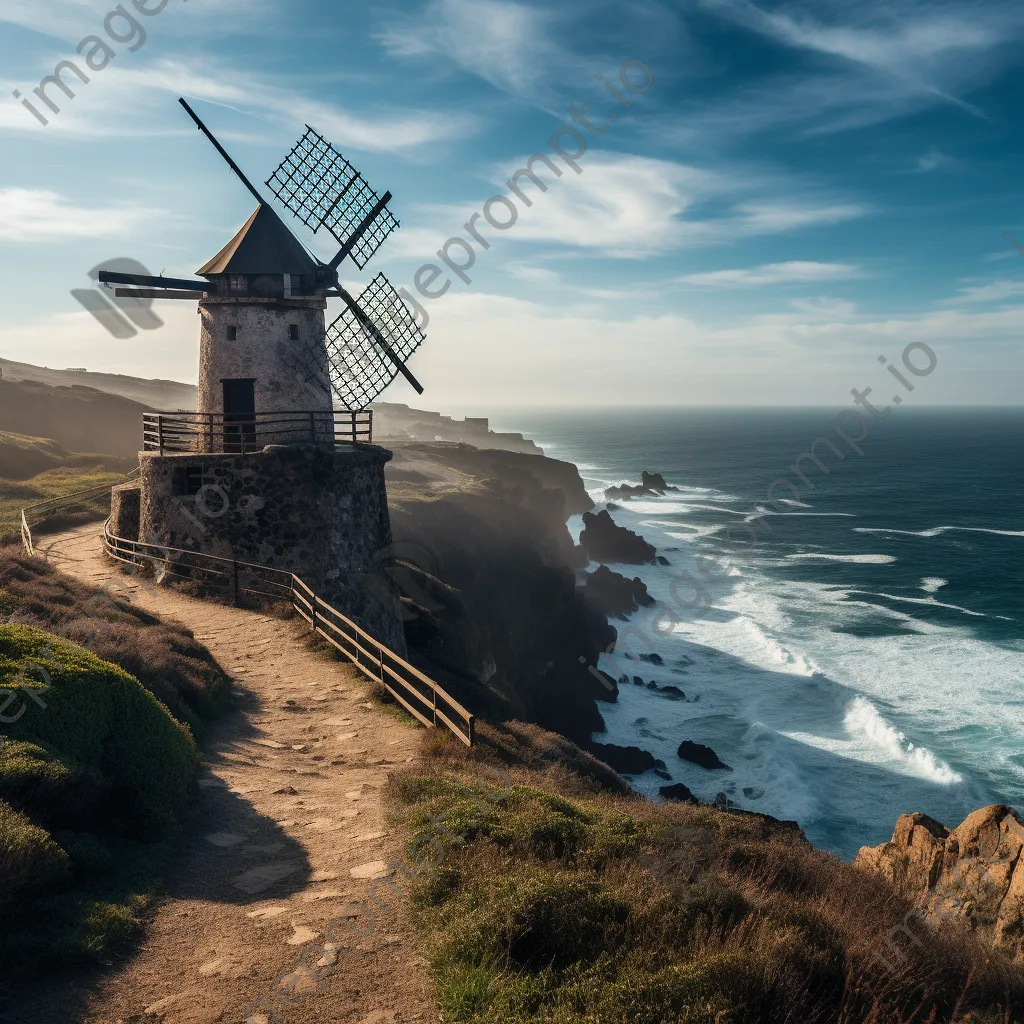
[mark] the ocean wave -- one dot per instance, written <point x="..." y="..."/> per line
<point x="762" y="512"/>
<point x="795" y="504"/>
<point x="931" y="602"/>
<point x="864" y="718"/>
<point x="853" y="559"/>
<point x="930" y="584"/>
<point x="937" y="531"/>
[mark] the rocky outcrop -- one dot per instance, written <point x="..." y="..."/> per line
<point x="613" y="594"/>
<point x="697" y="753"/>
<point x="651" y="484"/>
<point x="974" y="873"/>
<point x="678" y="793"/>
<point x="625" y="760"/>
<point x="605" y="541"/>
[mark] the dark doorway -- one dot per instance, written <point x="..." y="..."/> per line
<point x="239" y="415"/>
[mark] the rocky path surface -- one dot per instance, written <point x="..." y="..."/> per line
<point x="280" y="907"/>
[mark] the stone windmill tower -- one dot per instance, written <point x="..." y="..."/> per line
<point x="277" y="466"/>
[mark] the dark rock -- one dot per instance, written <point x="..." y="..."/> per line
<point x="605" y="541"/>
<point x="650" y="484"/>
<point x="612" y="507"/>
<point x="697" y="753"/>
<point x="613" y="594"/>
<point x="661" y="764"/>
<point x="662" y="774"/>
<point x="637" y="681"/>
<point x="653" y="659"/>
<point x="678" y="793"/>
<point x="673" y="691"/>
<point x="652" y="685"/>
<point x="625" y="760"/>
<point x="662" y="560"/>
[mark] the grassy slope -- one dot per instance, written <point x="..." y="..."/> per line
<point x="543" y="898"/>
<point x="33" y="469"/>
<point x="89" y="783"/>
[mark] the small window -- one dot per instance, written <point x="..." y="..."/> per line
<point x="293" y="332"/>
<point x="237" y="282"/>
<point x="232" y="334"/>
<point x="187" y="481"/>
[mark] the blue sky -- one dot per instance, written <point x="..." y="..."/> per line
<point x="806" y="185"/>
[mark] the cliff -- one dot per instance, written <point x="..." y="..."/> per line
<point x="486" y="569"/>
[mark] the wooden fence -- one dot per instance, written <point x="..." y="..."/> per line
<point x="417" y="693"/>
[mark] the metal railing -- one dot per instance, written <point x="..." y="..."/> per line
<point x="216" y="433"/>
<point x="424" y="699"/>
<point x="81" y="501"/>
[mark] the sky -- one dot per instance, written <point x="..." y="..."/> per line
<point x="787" y="190"/>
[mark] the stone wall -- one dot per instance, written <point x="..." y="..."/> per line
<point x="290" y="375"/>
<point x="126" y="511"/>
<point x="316" y="512"/>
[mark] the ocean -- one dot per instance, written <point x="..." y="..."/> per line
<point x="864" y="658"/>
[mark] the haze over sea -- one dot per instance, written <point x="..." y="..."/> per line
<point x="866" y="658"/>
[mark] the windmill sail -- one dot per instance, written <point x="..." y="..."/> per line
<point x="322" y="189"/>
<point x="358" y="343"/>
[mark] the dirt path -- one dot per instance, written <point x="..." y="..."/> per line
<point x="279" y="908"/>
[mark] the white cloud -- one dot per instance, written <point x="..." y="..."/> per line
<point x="824" y="306"/>
<point x="933" y="160"/>
<point x="793" y="272"/>
<point x="507" y="44"/>
<point x="525" y="272"/>
<point x="993" y="291"/>
<point x="38" y="215"/>
<point x="627" y="207"/>
<point x="134" y="100"/>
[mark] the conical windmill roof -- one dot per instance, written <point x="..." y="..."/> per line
<point x="263" y="246"/>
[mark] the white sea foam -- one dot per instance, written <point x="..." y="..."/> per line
<point x="853" y="559"/>
<point x="762" y="512"/>
<point x="931" y="584"/>
<point x="932" y="602"/>
<point x="795" y="504"/>
<point x="864" y="718"/>
<point x="937" y="531"/>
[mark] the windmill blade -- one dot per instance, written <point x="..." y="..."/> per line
<point x="369" y="344"/>
<point x="322" y="189"/>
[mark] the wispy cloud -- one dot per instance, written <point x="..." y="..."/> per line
<point x="138" y="100"/>
<point x="38" y="215"/>
<point x="511" y="45"/>
<point x="993" y="291"/>
<point x="793" y="272"/>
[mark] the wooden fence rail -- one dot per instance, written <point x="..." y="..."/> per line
<point x="424" y="699"/>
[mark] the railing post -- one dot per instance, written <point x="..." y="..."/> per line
<point x="234" y="566"/>
<point x="312" y="605"/>
<point x="433" y="691"/>
<point x="355" y="430"/>
<point x="210" y="416"/>
<point x="380" y="651"/>
<point x="312" y="426"/>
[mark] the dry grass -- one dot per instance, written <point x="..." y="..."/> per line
<point x="547" y="900"/>
<point x="165" y="658"/>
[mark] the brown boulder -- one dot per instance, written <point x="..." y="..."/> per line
<point x="974" y="873"/>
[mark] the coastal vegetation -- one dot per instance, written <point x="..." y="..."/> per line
<point x="97" y="762"/>
<point x="542" y="896"/>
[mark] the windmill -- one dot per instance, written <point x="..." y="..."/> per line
<point x="367" y="346"/>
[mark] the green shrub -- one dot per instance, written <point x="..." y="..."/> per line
<point x="30" y="861"/>
<point x="96" y="717"/>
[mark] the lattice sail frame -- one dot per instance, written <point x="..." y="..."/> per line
<point x="322" y="189"/>
<point x="359" y="368"/>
